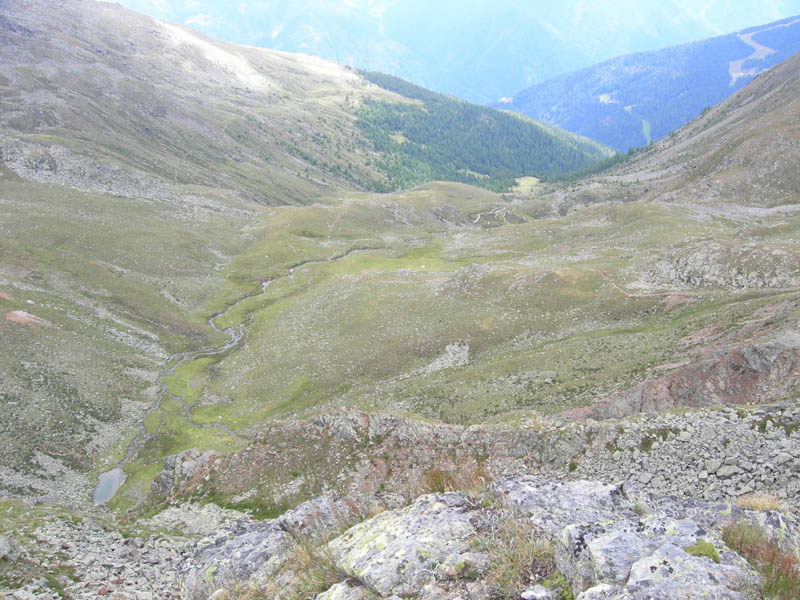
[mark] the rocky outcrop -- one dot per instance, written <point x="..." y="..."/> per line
<point x="610" y="541"/>
<point x="368" y="454"/>
<point x="619" y="545"/>
<point x="732" y="266"/>
<point x="747" y="374"/>
<point x="401" y="552"/>
<point x="249" y="552"/>
<point x="712" y="454"/>
<point x="182" y="471"/>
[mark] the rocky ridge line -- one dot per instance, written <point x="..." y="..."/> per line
<point x="712" y="454"/>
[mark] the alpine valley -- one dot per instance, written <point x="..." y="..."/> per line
<point x="274" y="327"/>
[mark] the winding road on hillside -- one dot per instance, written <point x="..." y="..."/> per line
<point x="760" y="52"/>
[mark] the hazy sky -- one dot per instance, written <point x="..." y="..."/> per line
<point x="715" y="16"/>
<point x="480" y="50"/>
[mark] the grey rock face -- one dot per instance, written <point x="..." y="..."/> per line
<point x="399" y="552"/>
<point x="731" y="266"/>
<point x="250" y="552"/>
<point x="612" y="542"/>
<point x="179" y="469"/>
<point x="245" y="550"/>
<point x="552" y="505"/>
<point x="670" y="573"/>
<point x="9" y="549"/>
<point x="605" y="549"/>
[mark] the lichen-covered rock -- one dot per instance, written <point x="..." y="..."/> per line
<point x="606" y="550"/>
<point x="344" y="591"/>
<point x="592" y="553"/>
<point x="671" y="573"/>
<point x="250" y="552"/>
<point x="399" y="552"/>
<point x="611" y="542"/>
<point x="236" y="555"/>
<point x="553" y="505"/>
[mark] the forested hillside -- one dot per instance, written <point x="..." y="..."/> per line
<point x="632" y="100"/>
<point x="443" y="138"/>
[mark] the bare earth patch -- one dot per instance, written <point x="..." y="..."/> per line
<point x="23" y="318"/>
<point x="4" y="296"/>
<point x="702" y="335"/>
<point x="674" y="300"/>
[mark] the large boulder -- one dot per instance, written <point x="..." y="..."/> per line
<point x="400" y="552"/>
<point x="248" y="553"/>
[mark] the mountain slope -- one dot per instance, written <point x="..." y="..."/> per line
<point x="181" y="342"/>
<point x="211" y="312"/>
<point x="629" y="101"/>
<point x="742" y="152"/>
<point x="449" y="139"/>
<point x="152" y="109"/>
<point x="139" y="160"/>
<point x="480" y="52"/>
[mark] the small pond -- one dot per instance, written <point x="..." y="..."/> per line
<point x="107" y="486"/>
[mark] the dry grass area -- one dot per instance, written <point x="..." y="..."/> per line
<point x="779" y="565"/>
<point x="519" y="557"/>
<point x="471" y="480"/>
<point x="759" y="502"/>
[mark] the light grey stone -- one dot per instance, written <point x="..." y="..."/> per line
<point x="399" y="552"/>
<point x="537" y="592"/>
<point x="9" y="549"/>
<point x="671" y="573"/>
<point x="604" y="591"/>
<point x="343" y="591"/>
<point x="252" y="552"/>
<point x="783" y="458"/>
<point x="552" y="506"/>
<point x="728" y="471"/>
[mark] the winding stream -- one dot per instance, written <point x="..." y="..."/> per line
<point x="111" y="481"/>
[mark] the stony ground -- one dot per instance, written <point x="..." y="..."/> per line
<point x="604" y="541"/>
<point x="88" y="556"/>
<point x="675" y="478"/>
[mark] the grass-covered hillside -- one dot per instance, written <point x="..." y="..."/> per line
<point x="629" y="101"/>
<point x="150" y="109"/>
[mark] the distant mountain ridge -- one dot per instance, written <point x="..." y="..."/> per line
<point x="629" y="101"/>
<point x="162" y="107"/>
<point x="479" y="51"/>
